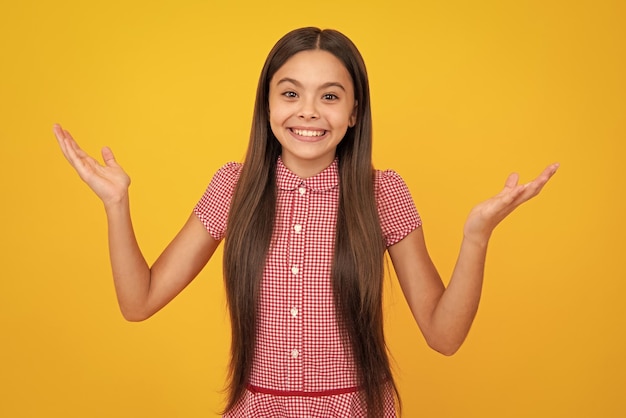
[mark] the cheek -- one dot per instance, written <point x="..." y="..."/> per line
<point x="344" y="118"/>
<point x="275" y="124"/>
<point x="277" y="113"/>
<point x="276" y="121"/>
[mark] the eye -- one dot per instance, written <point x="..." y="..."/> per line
<point x="330" y="97"/>
<point x="290" y="94"/>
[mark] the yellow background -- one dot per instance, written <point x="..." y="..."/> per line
<point x="463" y="93"/>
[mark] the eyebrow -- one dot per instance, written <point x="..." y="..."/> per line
<point x="298" y="84"/>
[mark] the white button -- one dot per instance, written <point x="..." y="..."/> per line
<point x="302" y="190"/>
<point x="297" y="228"/>
<point x="294" y="312"/>
<point x="295" y="270"/>
<point x="294" y="353"/>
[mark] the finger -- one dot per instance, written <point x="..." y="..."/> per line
<point x="547" y="173"/>
<point x="108" y="157"/>
<point x="59" y="133"/>
<point x="74" y="145"/>
<point x="535" y="186"/>
<point x="76" y="156"/>
<point x="58" y="130"/>
<point x="69" y="146"/>
<point x="510" y="195"/>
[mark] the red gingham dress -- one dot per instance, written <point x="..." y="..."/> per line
<point x="302" y="366"/>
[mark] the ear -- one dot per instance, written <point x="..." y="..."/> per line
<point x="352" y="120"/>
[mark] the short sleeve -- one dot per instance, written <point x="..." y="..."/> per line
<point x="213" y="207"/>
<point x="397" y="212"/>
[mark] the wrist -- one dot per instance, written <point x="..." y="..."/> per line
<point x="116" y="204"/>
<point x="480" y="239"/>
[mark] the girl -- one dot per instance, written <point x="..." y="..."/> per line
<point x="307" y="222"/>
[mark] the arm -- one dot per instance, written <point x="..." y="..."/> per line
<point x="445" y="315"/>
<point x="141" y="290"/>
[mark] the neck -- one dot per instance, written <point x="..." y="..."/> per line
<point x="306" y="168"/>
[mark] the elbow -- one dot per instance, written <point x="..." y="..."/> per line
<point x="135" y="318"/>
<point x="135" y="315"/>
<point x="446" y="347"/>
<point x="446" y="351"/>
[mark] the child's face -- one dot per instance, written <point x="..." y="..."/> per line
<point x="311" y="100"/>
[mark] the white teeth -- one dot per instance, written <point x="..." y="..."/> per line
<point x="302" y="132"/>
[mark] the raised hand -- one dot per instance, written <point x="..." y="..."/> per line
<point x="485" y="216"/>
<point x="108" y="181"/>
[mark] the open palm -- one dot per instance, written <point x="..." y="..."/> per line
<point x="109" y="181"/>
<point x="485" y="216"/>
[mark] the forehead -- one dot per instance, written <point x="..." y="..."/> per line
<point x="314" y="66"/>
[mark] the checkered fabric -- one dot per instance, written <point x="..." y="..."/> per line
<point x="302" y="366"/>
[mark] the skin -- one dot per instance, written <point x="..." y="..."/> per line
<point x="141" y="290"/>
<point x="311" y="94"/>
<point x="311" y="107"/>
<point x="445" y="315"/>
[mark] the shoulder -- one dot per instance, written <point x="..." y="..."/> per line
<point x="396" y="209"/>
<point x="228" y="173"/>
<point x="223" y="183"/>
<point x="388" y="183"/>
<point x="213" y="207"/>
<point x="225" y="178"/>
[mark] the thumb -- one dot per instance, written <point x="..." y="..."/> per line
<point x="511" y="180"/>
<point x="108" y="157"/>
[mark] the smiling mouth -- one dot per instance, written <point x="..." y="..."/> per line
<point x="308" y="133"/>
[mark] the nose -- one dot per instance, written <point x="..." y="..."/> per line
<point x="308" y="110"/>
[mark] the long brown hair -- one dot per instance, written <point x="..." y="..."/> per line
<point x="358" y="267"/>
